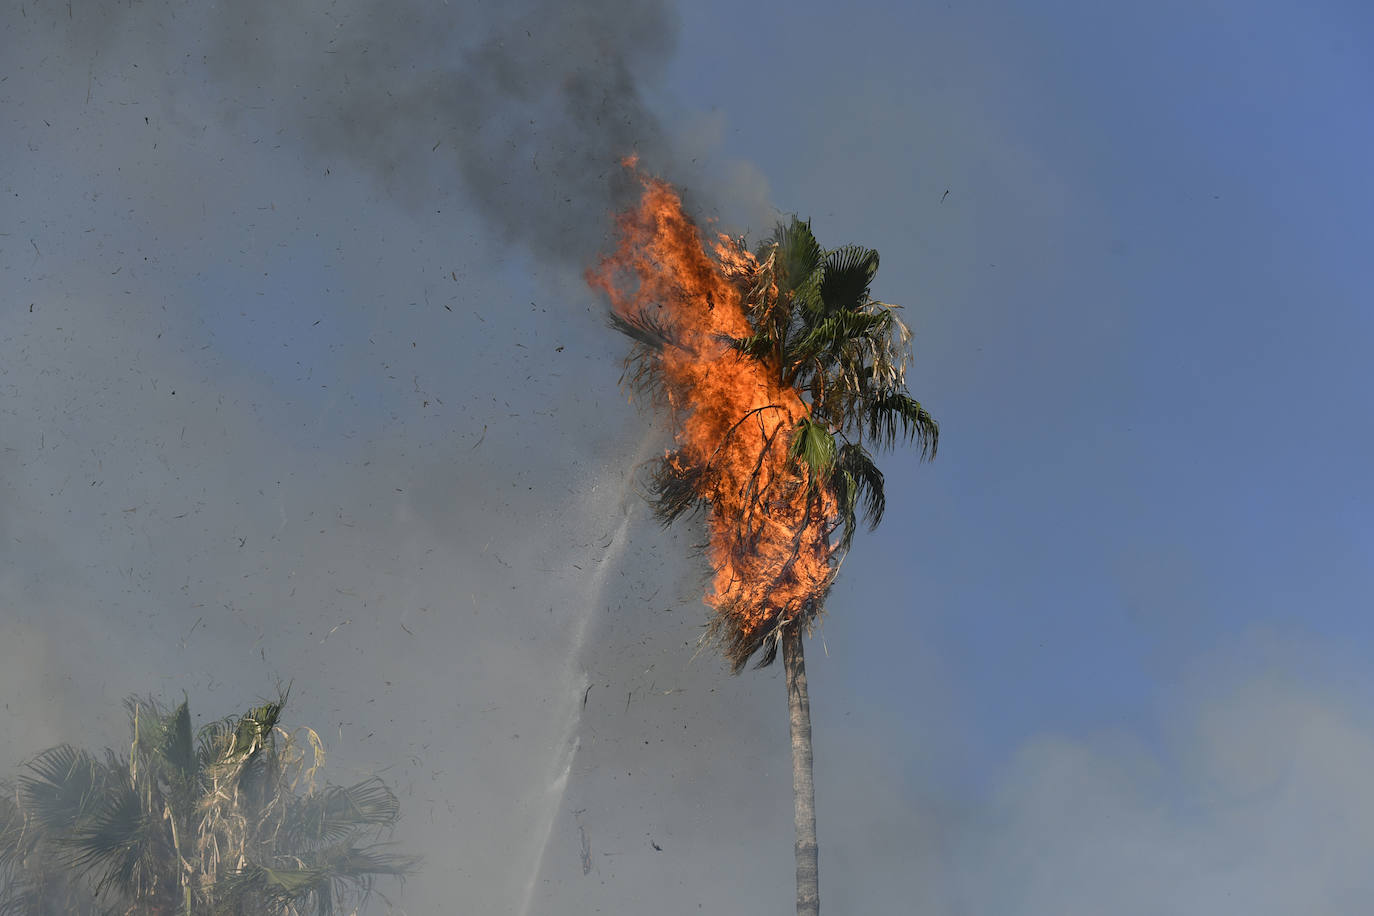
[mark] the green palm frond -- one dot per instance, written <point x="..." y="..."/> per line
<point x="336" y="812"/>
<point x="296" y="885"/>
<point x="846" y="490"/>
<point x="32" y="881"/>
<point x="814" y="447"/>
<point x="163" y="739"/>
<point x="284" y="888"/>
<point x="856" y="460"/>
<point x="894" y="416"/>
<point x="118" y="841"/>
<point x="847" y="277"/>
<point x="253" y="732"/>
<point x="830" y="334"/>
<point x="61" y="787"/>
<point x="796" y="253"/>
<point x="178" y="747"/>
<point x="350" y="862"/>
<point x="214" y="741"/>
<point x="22" y="889"/>
<point x="786" y="286"/>
<point x="856" y="481"/>
<point x="12" y="833"/>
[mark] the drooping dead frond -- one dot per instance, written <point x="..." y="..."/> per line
<point x="739" y="645"/>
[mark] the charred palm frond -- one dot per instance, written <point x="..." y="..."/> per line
<point x="735" y="643"/>
<point x="739" y="645"/>
<point x="756" y="492"/>
<point x="645" y="329"/>
<point x="643" y="369"/>
<point x="675" y="487"/>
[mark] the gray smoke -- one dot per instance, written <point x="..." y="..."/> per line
<point x="525" y="110"/>
<point x="282" y="404"/>
<point x="531" y="106"/>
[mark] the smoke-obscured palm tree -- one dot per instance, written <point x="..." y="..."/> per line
<point x="229" y="820"/>
<point x="835" y="360"/>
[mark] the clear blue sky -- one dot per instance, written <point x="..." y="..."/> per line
<point x="300" y="379"/>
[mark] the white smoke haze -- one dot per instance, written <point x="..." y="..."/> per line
<point x="299" y="383"/>
<point x="1262" y="807"/>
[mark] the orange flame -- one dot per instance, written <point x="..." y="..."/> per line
<point x="732" y="419"/>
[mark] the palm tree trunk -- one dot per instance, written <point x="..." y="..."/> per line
<point x="803" y="788"/>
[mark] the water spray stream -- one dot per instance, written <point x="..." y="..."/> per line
<point x="574" y="679"/>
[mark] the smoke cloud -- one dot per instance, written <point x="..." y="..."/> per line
<point x="304" y="388"/>
<point x="526" y="109"/>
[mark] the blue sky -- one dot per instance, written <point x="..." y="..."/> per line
<point x="1105" y="654"/>
<point x="1136" y="315"/>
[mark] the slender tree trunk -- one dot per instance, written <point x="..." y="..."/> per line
<point x="803" y="788"/>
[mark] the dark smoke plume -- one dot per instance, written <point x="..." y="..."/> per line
<point x="525" y="109"/>
<point x="534" y="116"/>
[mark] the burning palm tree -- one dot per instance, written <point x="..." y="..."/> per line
<point x="779" y="372"/>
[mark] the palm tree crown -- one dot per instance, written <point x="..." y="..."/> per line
<point x="824" y="339"/>
<point x="226" y="820"/>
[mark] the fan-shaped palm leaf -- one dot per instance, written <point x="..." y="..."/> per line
<point x="813" y="447"/>
<point x="337" y="812"/>
<point x="796" y="256"/>
<point x="847" y="277"/>
<point x="119" y="840"/>
<point x="62" y="785"/>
